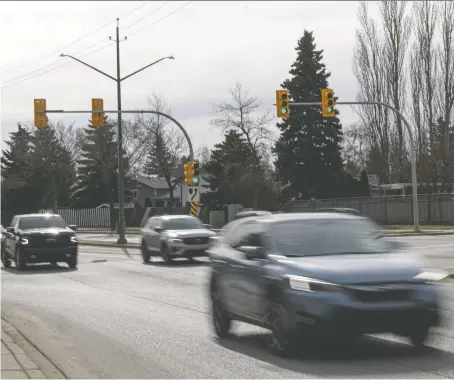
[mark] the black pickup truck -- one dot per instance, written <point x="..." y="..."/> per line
<point x="38" y="238"/>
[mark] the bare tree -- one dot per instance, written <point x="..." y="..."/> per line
<point x="164" y="145"/>
<point x="241" y="114"/>
<point x="446" y="88"/>
<point x="70" y="138"/>
<point x="369" y="55"/>
<point x="424" y="58"/>
<point x="355" y="149"/>
<point x="397" y="33"/>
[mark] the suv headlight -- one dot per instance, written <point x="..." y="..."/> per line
<point x="307" y="284"/>
<point x="23" y="240"/>
<point x="176" y="240"/>
<point x="73" y="239"/>
<point x="431" y="275"/>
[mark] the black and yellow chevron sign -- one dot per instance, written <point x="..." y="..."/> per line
<point x="193" y="210"/>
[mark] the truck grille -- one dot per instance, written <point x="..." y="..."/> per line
<point x="51" y="241"/>
<point x="195" y="240"/>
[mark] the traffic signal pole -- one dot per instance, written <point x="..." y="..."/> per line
<point x="122" y="227"/>
<point x="414" y="181"/>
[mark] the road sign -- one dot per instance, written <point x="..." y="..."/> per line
<point x="194" y="209"/>
<point x="193" y="194"/>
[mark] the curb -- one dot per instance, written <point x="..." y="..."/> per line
<point x="427" y="233"/>
<point x="35" y="356"/>
<point x="108" y="244"/>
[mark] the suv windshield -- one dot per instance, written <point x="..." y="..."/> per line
<point x="183" y="224"/>
<point x="317" y="237"/>
<point x="31" y="222"/>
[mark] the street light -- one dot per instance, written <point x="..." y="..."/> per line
<point x="118" y="79"/>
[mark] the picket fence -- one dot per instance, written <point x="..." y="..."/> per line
<point x="90" y="217"/>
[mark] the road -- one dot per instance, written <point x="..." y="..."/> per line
<point x="115" y="317"/>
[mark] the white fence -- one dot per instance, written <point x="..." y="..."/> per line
<point x="90" y="217"/>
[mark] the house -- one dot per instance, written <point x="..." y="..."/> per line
<point x="153" y="191"/>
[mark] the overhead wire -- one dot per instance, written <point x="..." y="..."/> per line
<point x="12" y="81"/>
<point x="72" y="42"/>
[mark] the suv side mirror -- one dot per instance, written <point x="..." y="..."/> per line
<point x="252" y="253"/>
<point x="10" y="230"/>
<point x="73" y="227"/>
<point x="158" y="229"/>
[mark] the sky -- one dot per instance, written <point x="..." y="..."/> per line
<point x="215" y="45"/>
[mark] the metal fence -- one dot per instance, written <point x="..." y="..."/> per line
<point x="89" y="217"/>
<point x="433" y="208"/>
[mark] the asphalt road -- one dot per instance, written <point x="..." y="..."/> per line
<point x="115" y="317"/>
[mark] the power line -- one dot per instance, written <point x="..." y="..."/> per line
<point x="52" y="69"/>
<point x="162" y="18"/>
<point x="149" y="14"/>
<point x="71" y="43"/>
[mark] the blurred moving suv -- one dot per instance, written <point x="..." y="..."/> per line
<point x="174" y="236"/>
<point x="325" y="275"/>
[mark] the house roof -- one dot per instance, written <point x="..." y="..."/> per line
<point x="154" y="182"/>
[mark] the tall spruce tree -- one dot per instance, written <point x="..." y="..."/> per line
<point x="309" y="162"/>
<point x="97" y="170"/>
<point x="229" y="174"/>
<point x="16" y="168"/>
<point x="53" y="169"/>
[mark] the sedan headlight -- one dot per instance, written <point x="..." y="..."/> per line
<point x="431" y="275"/>
<point x="175" y="240"/>
<point x="73" y="239"/>
<point x="307" y="284"/>
<point x="23" y="241"/>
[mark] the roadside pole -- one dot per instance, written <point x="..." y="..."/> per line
<point x="414" y="181"/>
<point x="118" y="79"/>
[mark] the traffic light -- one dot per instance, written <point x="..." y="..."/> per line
<point x="283" y="109"/>
<point x="195" y="173"/>
<point x="328" y="102"/>
<point x="40" y="113"/>
<point x="188" y="175"/>
<point x="97" y="118"/>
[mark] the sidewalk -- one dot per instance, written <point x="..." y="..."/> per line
<point x="16" y="357"/>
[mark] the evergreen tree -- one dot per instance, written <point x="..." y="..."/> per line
<point x="229" y="174"/>
<point x="97" y="171"/>
<point x="309" y="162"/>
<point x="16" y="169"/>
<point x="53" y="172"/>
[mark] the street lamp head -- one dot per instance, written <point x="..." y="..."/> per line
<point x="62" y="55"/>
<point x="171" y="57"/>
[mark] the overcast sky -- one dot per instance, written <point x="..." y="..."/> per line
<point x="214" y="43"/>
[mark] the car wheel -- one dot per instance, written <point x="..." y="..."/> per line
<point x="5" y="259"/>
<point x="221" y="319"/>
<point x="72" y="262"/>
<point x="419" y="336"/>
<point x="166" y="254"/>
<point x="145" y="253"/>
<point x="282" y="340"/>
<point x="20" y="260"/>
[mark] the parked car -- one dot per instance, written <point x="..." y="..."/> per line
<point x="173" y="236"/>
<point x="38" y="238"/>
<point x="245" y="214"/>
<point x="307" y="275"/>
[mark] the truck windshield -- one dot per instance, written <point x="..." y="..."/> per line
<point x="32" y="222"/>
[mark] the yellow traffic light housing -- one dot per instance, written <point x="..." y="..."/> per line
<point x="195" y="173"/>
<point x="40" y="113"/>
<point x="188" y="179"/>
<point x="328" y="102"/>
<point x="97" y="118"/>
<point x="283" y="109"/>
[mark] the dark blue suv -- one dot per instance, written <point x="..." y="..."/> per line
<point x="319" y="274"/>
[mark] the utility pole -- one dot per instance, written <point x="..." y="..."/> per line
<point x="118" y="79"/>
